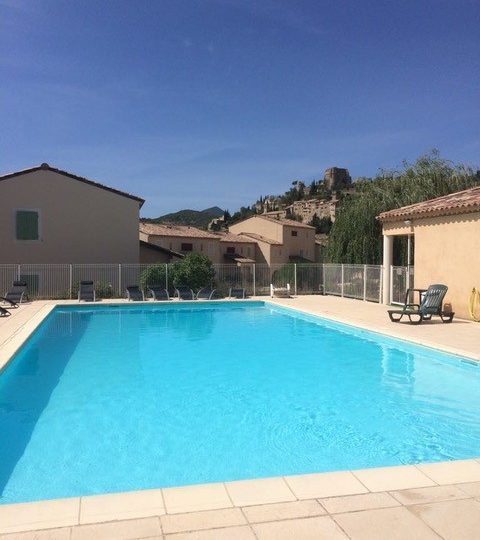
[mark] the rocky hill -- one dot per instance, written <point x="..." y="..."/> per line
<point x="194" y="218"/>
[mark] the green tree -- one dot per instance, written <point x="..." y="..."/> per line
<point x="356" y="235"/>
<point x="153" y="276"/>
<point x="322" y="225"/>
<point x="195" y="271"/>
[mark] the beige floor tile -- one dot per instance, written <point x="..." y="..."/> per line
<point x="49" y="534"/>
<point x="210" y="519"/>
<point x="196" y="498"/>
<point x="232" y="533"/>
<point x="316" y="528"/>
<point x="118" y="506"/>
<point x="288" y="510"/>
<point x="119" y="530"/>
<point x="452" y="472"/>
<point x="353" y="503"/>
<point x="470" y="488"/>
<point x="313" y="486"/>
<point x="393" y="478"/>
<point x="453" y="520"/>
<point x="384" y="524"/>
<point x="261" y="491"/>
<point x="39" y="515"/>
<point x="429" y="494"/>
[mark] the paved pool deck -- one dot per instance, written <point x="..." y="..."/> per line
<point x="428" y="501"/>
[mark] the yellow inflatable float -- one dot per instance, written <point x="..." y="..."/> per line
<point x="474" y="305"/>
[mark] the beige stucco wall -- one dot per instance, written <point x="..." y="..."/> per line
<point x="447" y="250"/>
<point x="79" y="223"/>
<point x="302" y="245"/>
<point x="152" y="256"/>
<point x="247" y="249"/>
<point x="260" y="226"/>
<point x="397" y="229"/>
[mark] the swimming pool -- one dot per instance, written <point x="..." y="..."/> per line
<point x="118" y="398"/>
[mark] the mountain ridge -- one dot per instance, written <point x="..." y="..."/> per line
<point x="194" y="218"/>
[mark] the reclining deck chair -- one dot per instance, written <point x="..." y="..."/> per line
<point x="430" y="303"/>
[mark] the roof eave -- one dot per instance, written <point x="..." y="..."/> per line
<point x="388" y="218"/>
<point x="75" y="177"/>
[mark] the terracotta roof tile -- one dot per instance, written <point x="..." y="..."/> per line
<point x="261" y="238"/>
<point x="289" y="222"/>
<point x="461" y="202"/>
<point x="170" y="229"/>
<point x="233" y="238"/>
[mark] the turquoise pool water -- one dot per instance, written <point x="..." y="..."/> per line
<point x="108" y="398"/>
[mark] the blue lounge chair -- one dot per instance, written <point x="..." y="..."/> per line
<point x="184" y="293"/>
<point x="17" y="294"/>
<point x="238" y="293"/>
<point x="134" y="294"/>
<point x="86" y="291"/>
<point x="206" y="293"/>
<point x="430" y="304"/>
<point x="158" y="293"/>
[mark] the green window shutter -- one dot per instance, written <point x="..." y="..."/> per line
<point x="27" y="225"/>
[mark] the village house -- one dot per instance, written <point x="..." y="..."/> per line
<point x="306" y="210"/>
<point x="446" y="233"/>
<point x="48" y="215"/>
<point x="178" y="240"/>
<point x="279" y="241"/>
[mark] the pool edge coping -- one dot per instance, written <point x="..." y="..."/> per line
<point x="66" y="512"/>
<point x="147" y="503"/>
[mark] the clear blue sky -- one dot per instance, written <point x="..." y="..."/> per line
<point x="194" y="103"/>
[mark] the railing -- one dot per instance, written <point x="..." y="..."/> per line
<point x="60" y="281"/>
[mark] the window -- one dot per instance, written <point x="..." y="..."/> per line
<point x="231" y="250"/>
<point x="187" y="247"/>
<point x="294" y="233"/>
<point x="26" y="225"/>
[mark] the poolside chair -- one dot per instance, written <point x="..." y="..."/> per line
<point x="17" y="294"/>
<point x="86" y="291"/>
<point x="206" y="293"/>
<point x="430" y="303"/>
<point x="4" y="312"/>
<point x="236" y="293"/>
<point x="184" y="293"/>
<point x="134" y="294"/>
<point x="158" y="293"/>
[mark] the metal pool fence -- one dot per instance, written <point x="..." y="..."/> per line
<point x="60" y="281"/>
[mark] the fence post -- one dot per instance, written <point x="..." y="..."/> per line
<point x="364" y="282"/>
<point x="380" y="292"/>
<point x="343" y="273"/>
<point x="166" y="276"/>
<point x="254" y="283"/>
<point x="391" y="284"/>
<point x="323" y="279"/>
<point x="70" y="280"/>
<point x="119" y="280"/>
<point x="19" y="272"/>
<point x="295" y="271"/>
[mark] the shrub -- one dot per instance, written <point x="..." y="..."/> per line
<point x="153" y="275"/>
<point x="194" y="271"/>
